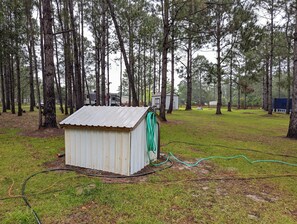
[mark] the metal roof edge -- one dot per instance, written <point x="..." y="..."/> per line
<point x="64" y="123"/>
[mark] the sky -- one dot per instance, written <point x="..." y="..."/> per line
<point x="115" y="69"/>
<point x="210" y="54"/>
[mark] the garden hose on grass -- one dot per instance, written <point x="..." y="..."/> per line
<point x="228" y="158"/>
<point x="151" y="123"/>
<point x="24" y="184"/>
<point x="151" y="147"/>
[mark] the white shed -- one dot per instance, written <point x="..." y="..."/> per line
<point x="106" y="138"/>
<point x="156" y="101"/>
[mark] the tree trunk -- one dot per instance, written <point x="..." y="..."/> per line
<point x="279" y="77"/>
<point x="159" y="71"/>
<point x="200" y="88"/>
<point x="289" y="84"/>
<point x="189" y="75"/>
<point x="139" y="72"/>
<point x="103" y="55"/>
<point x="267" y="82"/>
<point x="230" y="84"/>
<point x="37" y="85"/>
<point x="150" y="76"/>
<point x="165" y="47"/>
<point x="121" y="79"/>
<point x="83" y="70"/>
<point x="289" y="46"/>
<point x="57" y="76"/>
<point x="12" y="85"/>
<point x="78" y="83"/>
<point x="245" y="106"/>
<point x="219" y="76"/>
<point x="107" y="63"/>
<point x="36" y="76"/>
<point x="2" y="85"/>
<point x="66" y="54"/>
<point x="155" y="69"/>
<point x="49" y="69"/>
<point x="292" y="131"/>
<point x="41" y="22"/>
<point x="170" y="109"/>
<point x="265" y="85"/>
<point x="144" y="72"/>
<point x="271" y="58"/>
<point x="131" y="58"/>
<point x="238" y="94"/>
<point x="141" y="83"/>
<point x="97" y="71"/>
<point x="128" y="66"/>
<point x="29" y="46"/>
<point x="7" y="84"/>
<point x="18" y="74"/>
<point x="68" y="61"/>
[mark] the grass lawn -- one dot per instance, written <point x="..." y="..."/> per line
<point x="216" y="191"/>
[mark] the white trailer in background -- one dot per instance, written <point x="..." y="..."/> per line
<point x="156" y="101"/>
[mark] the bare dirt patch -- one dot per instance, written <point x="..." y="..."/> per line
<point x="28" y="125"/>
<point x="44" y="132"/>
<point x="106" y="177"/>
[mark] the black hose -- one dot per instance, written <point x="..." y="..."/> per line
<point x="24" y="197"/>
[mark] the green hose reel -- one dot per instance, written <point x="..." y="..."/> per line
<point x="151" y="123"/>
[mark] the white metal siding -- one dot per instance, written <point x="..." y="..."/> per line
<point x="139" y="156"/>
<point x="101" y="150"/>
<point x="175" y="102"/>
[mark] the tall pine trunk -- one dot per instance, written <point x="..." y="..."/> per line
<point x="189" y="75"/>
<point x="57" y="76"/>
<point x="230" y="84"/>
<point x="122" y="47"/>
<point x="84" y="78"/>
<point x="269" y="104"/>
<point x="2" y="84"/>
<point x="78" y="83"/>
<point x="121" y="79"/>
<point x="144" y="73"/>
<point x="49" y="69"/>
<point x="41" y="29"/>
<point x="292" y="131"/>
<point x="18" y="75"/>
<point x="219" y="75"/>
<point x="169" y="111"/>
<point x="165" y="47"/>
<point x="104" y="99"/>
<point x="29" y="47"/>
<point x="289" y="46"/>
<point x="12" y="84"/>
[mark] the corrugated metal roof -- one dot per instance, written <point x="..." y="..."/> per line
<point x="105" y="116"/>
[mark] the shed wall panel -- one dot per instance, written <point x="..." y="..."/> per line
<point x="139" y="156"/>
<point x="101" y="150"/>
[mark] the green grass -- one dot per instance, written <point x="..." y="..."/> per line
<point x="170" y="196"/>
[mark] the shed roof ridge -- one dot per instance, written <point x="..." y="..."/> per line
<point x="106" y="116"/>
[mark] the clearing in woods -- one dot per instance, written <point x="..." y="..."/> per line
<point x="217" y="191"/>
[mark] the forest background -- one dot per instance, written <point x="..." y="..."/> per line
<point x="58" y="52"/>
